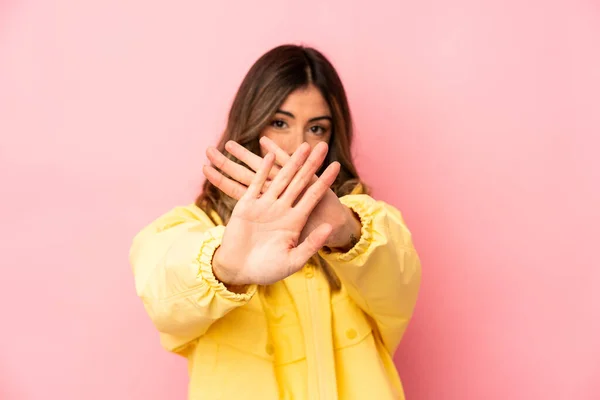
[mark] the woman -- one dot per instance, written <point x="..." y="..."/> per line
<point x="276" y="283"/>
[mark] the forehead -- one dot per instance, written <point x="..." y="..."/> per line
<point x="304" y="101"/>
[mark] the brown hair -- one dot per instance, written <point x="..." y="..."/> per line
<point x="265" y="87"/>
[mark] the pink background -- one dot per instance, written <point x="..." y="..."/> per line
<point x="479" y="120"/>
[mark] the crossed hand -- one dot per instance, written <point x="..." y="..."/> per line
<point x="284" y="213"/>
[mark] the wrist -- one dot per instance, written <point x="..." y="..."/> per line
<point x="347" y="233"/>
<point x="223" y="275"/>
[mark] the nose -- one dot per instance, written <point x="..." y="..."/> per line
<point x="295" y="140"/>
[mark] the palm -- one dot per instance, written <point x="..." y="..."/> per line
<point x="260" y="239"/>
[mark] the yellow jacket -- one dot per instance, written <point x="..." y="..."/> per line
<point x="295" y="339"/>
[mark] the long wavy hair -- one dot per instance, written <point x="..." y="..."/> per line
<point x="265" y="87"/>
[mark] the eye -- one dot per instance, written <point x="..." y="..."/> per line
<point x="279" y="124"/>
<point x="318" y="130"/>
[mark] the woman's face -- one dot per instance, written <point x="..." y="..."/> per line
<point x="304" y="116"/>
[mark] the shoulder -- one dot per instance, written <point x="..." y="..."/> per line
<point x="182" y="214"/>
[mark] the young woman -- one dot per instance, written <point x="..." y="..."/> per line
<point x="285" y="280"/>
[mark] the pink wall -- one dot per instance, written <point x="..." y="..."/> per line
<point x="480" y="121"/>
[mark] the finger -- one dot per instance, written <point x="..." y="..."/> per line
<point x="247" y="157"/>
<point x="281" y="156"/>
<point x="233" y="169"/>
<point x="287" y="173"/>
<point x="309" y="247"/>
<point x="306" y="173"/>
<point x="317" y="190"/>
<point x="238" y="172"/>
<point x="228" y="186"/>
<point x="261" y="176"/>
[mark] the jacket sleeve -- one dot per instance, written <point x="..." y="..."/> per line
<point x="382" y="272"/>
<point x="171" y="261"/>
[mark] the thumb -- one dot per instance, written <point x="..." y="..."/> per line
<point x="310" y="246"/>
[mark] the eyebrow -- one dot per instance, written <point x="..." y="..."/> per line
<point x="289" y="114"/>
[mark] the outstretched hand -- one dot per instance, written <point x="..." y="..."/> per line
<point x="262" y="243"/>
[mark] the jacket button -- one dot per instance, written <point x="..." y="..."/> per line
<point x="309" y="273"/>
<point x="350" y="333"/>
<point x="269" y="349"/>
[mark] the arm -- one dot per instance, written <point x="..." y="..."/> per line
<point x="173" y="258"/>
<point x="172" y="265"/>
<point x="382" y="272"/>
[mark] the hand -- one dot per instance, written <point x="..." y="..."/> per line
<point x="261" y="243"/>
<point x="345" y="225"/>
